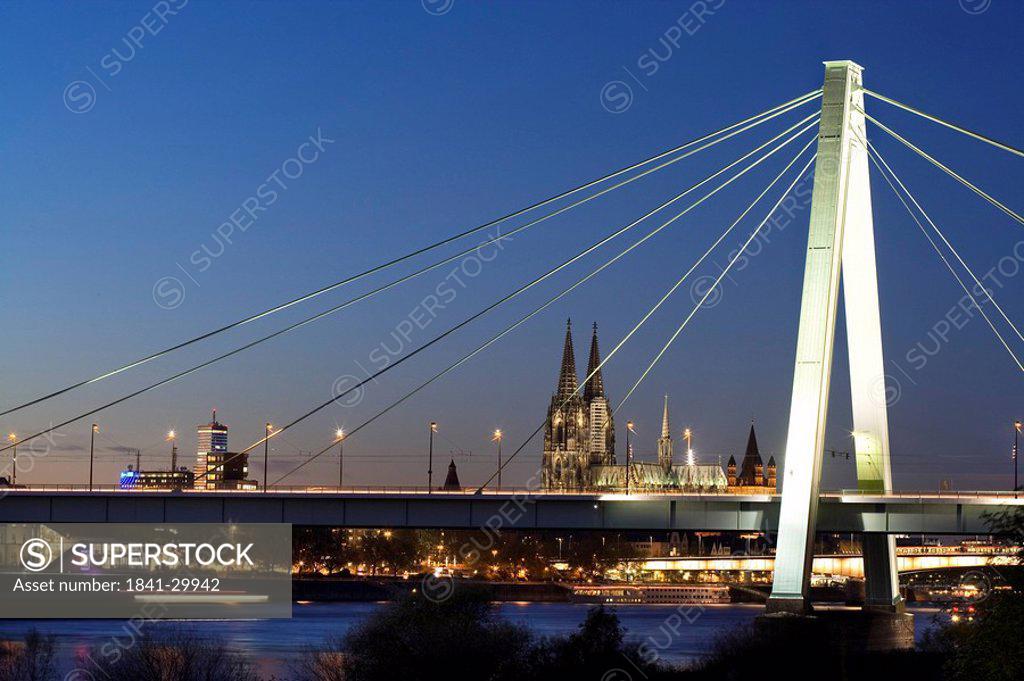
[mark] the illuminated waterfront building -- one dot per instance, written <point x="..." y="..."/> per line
<point x="137" y="479"/>
<point x="217" y="468"/>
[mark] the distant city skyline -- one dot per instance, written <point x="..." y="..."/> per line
<point x="204" y="181"/>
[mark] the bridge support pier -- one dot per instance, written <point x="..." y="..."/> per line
<point x="840" y="241"/>
<point x="881" y="581"/>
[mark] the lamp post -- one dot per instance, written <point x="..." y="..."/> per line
<point x="1016" y="448"/>
<point x="11" y="437"/>
<point x="266" y="453"/>
<point x="92" y="448"/>
<point x="688" y="436"/>
<point x="497" y="438"/>
<point x="629" y="451"/>
<point x="171" y="437"/>
<point x="340" y="435"/>
<point x="430" y="459"/>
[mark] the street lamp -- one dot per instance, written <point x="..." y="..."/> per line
<point x="1016" y="447"/>
<point x="92" y="449"/>
<point x="11" y="437"/>
<point x="171" y="437"/>
<point x="629" y="451"/>
<point x="340" y="435"/>
<point x="688" y="436"/>
<point x="497" y="438"/>
<point x="430" y="459"/>
<point x="266" y="453"/>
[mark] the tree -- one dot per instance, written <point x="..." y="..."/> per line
<point x="990" y="647"/>
<point x="416" y="639"/>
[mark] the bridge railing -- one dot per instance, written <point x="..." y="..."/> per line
<point x="928" y="494"/>
<point x="844" y="494"/>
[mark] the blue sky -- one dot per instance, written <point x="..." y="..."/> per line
<point x="128" y="139"/>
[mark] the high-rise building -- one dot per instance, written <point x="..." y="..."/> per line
<point x="216" y="467"/>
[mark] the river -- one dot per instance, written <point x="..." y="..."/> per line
<point x="274" y="644"/>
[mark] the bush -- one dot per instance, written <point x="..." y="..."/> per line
<point x="31" y="660"/>
<point x="176" y="656"/>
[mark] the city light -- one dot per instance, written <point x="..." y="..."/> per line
<point x="339" y="434"/>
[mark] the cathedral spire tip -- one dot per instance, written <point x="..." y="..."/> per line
<point x="595" y="382"/>
<point x="567" y="380"/>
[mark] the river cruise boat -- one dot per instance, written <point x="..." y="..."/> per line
<point x="648" y="594"/>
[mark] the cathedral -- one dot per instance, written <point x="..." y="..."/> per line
<point x="579" y="441"/>
<point x="579" y="434"/>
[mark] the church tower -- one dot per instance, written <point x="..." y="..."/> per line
<point x="602" y="431"/>
<point x="665" y="441"/>
<point x="567" y="434"/>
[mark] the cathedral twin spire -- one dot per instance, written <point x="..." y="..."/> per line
<point x="568" y="383"/>
<point x="595" y="384"/>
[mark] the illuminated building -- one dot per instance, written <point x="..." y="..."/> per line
<point x="136" y="479"/>
<point x="216" y="467"/>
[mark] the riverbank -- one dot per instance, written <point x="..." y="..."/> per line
<point x="275" y="645"/>
<point x="375" y="589"/>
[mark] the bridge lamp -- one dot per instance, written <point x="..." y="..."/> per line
<point x="92" y="448"/>
<point x="430" y="458"/>
<point x="266" y="453"/>
<point x="629" y="451"/>
<point x="497" y="438"/>
<point x="1016" y="443"/>
<point x="339" y="435"/>
<point x="13" y="439"/>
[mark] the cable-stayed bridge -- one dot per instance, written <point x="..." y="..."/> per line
<point x="510" y="509"/>
<point x="840" y="246"/>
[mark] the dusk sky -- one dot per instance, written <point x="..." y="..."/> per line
<point x="120" y="160"/>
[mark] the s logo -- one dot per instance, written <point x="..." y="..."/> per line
<point x="36" y="555"/>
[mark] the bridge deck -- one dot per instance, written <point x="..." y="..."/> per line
<point x="904" y="513"/>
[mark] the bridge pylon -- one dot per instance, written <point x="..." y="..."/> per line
<point x="840" y="241"/>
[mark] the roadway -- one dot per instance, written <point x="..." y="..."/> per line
<point x="843" y="511"/>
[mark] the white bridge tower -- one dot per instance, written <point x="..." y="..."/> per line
<point x="841" y="239"/>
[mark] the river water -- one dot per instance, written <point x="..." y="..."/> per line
<point x="275" y="644"/>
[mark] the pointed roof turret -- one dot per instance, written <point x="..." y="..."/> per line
<point x="751" y="460"/>
<point x="666" y="431"/>
<point x="452" y="481"/>
<point x="567" y="380"/>
<point x="595" y="384"/>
